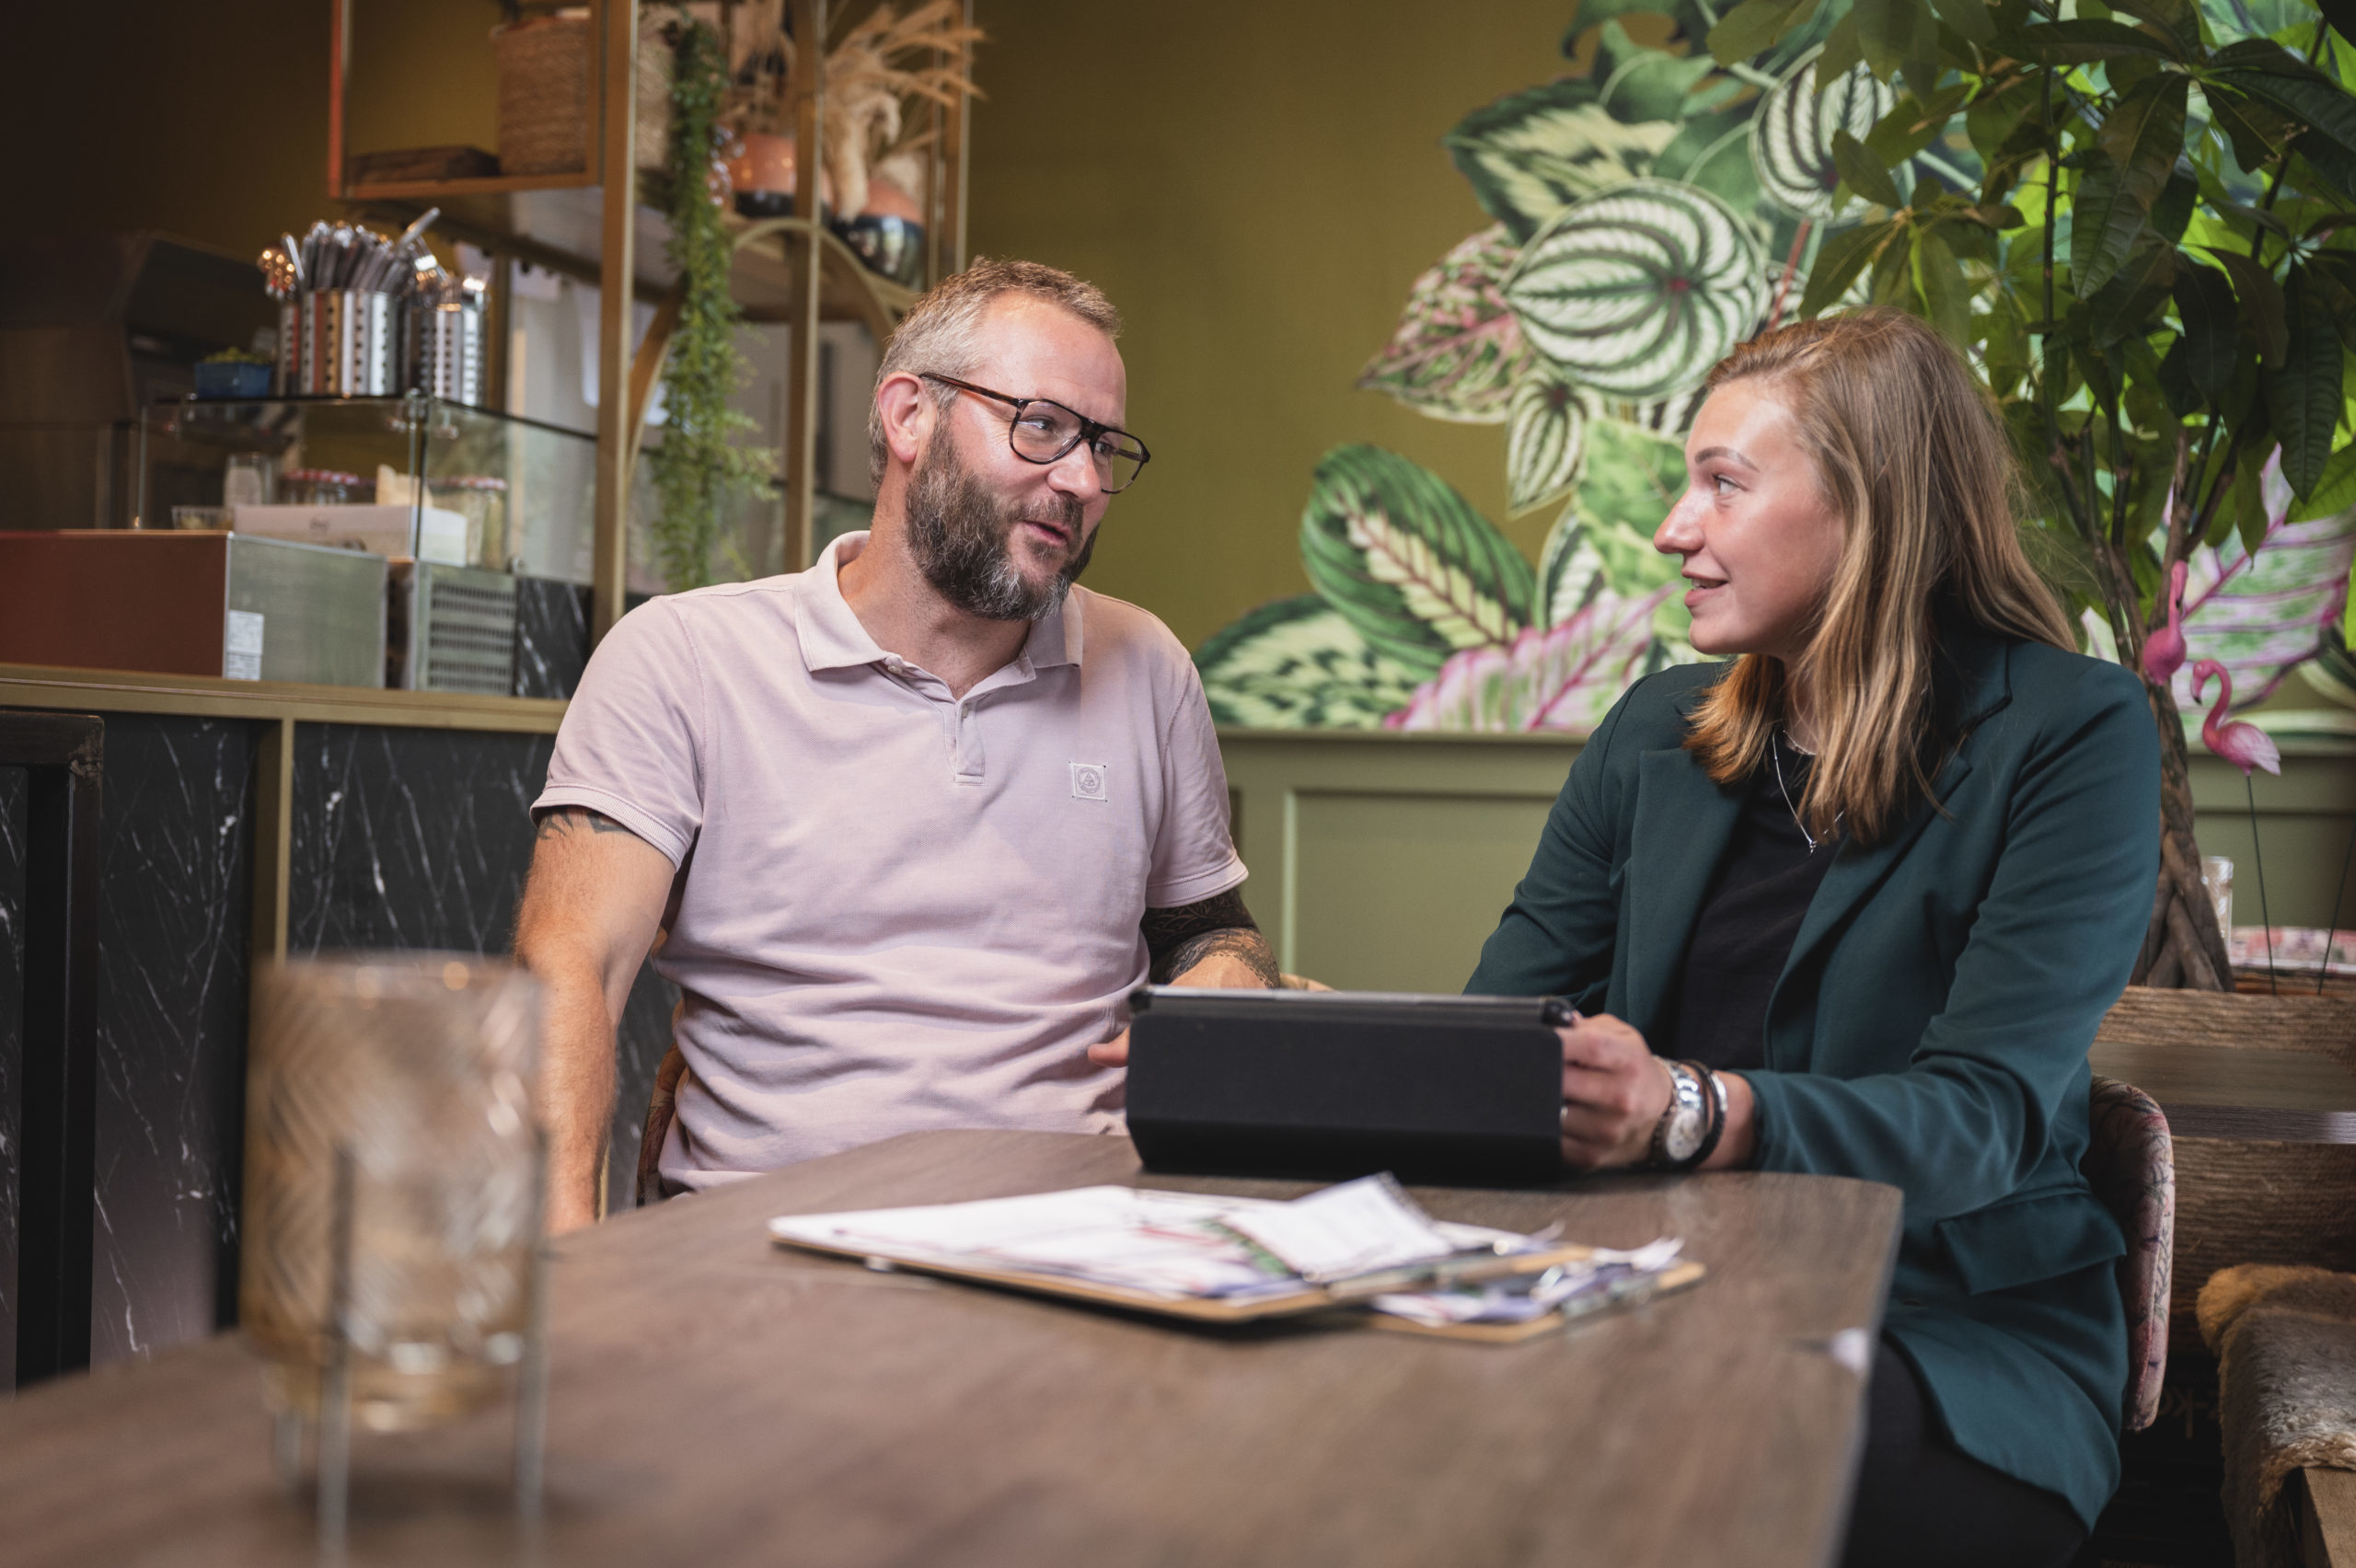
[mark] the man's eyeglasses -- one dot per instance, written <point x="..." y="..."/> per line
<point x="1041" y="432"/>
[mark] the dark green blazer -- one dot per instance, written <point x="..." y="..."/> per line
<point x="1931" y="1026"/>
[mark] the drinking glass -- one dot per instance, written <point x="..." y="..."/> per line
<point x="392" y="1165"/>
<point x="2217" y="876"/>
<point x="250" y="478"/>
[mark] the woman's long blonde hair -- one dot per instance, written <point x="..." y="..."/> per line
<point x="1911" y="453"/>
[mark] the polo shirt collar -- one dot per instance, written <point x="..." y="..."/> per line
<point x="832" y="637"/>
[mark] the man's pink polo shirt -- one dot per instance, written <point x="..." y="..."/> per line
<point x="895" y="911"/>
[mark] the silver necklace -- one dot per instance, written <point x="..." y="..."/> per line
<point x="1775" y="756"/>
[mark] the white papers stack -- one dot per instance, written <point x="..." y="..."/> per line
<point x="1174" y="1245"/>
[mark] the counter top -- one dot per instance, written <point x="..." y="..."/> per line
<point x="120" y="691"/>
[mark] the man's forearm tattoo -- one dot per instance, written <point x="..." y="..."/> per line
<point x="558" y="822"/>
<point x="1217" y="927"/>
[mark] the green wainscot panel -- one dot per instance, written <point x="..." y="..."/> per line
<point x="1397" y="891"/>
<point x="1380" y="860"/>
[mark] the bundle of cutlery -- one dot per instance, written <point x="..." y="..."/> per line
<point x="345" y="294"/>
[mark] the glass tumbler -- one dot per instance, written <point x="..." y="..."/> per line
<point x="250" y="478"/>
<point x="392" y="1163"/>
<point x="2217" y="877"/>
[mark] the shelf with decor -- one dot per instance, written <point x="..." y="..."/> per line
<point x="559" y="228"/>
<point x="599" y="218"/>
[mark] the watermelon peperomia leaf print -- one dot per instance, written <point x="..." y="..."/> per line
<point x="1638" y="292"/>
<point x="1530" y="155"/>
<point x="1407" y="561"/>
<point x="1545" y="438"/>
<point x="1297" y="664"/>
<point x="2261" y="613"/>
<point x="1560" y="677"/>
<point x="1569" y="572"/>
<point x="1641" y="83"/>
<point x="1458" y="350"/>
<point x="1791" y="136"/>
<point x="1588" y="557"/>
<point x="1634" y="477"/>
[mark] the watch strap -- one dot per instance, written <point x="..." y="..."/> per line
<point x="1715" y="1087"/>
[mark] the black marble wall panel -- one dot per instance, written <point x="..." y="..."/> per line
<point x="421" y="839"/>
<point x="12" y="1049"/>
<point x="643" y="1037"/>
<point x="551" y="637"/>
<point x="174" y="916"/>
<point x="410" y="838"/>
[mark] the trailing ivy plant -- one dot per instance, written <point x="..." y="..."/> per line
<point x="698" y="470"/>
<point x="2156" y="271"/>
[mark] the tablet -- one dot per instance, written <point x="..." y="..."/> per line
<point x="1464" y="1090"/>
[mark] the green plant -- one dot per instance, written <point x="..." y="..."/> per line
<point x="698" y="468"/>
<point x="2155" y="266"/>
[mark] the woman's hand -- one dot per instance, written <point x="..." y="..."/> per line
<point x="1614" y="1090"/>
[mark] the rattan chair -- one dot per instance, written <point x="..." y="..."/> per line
<point x="2131" y="1164"/>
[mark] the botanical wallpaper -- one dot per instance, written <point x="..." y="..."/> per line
<point x="1649" y="213"/>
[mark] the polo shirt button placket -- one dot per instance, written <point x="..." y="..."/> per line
<point x="967" y="746"/>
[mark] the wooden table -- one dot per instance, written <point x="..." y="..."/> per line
<point x="716" y="1400"/>
<point x="2239" y="1091"/>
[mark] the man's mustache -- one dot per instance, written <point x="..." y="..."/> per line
<point x="1064" y="511"/>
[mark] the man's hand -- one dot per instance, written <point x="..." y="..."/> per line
<point x="591" y="909"/>
<point x="1213" y="944"/>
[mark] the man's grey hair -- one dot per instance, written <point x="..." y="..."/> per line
<point x="940" y="333"/>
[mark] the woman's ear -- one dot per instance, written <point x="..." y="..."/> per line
<point x="906" y="413"/>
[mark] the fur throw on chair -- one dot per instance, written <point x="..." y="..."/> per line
<point x="2285" y="1342"/>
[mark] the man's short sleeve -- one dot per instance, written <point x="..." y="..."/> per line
<point x="1194" y="854"/>
<point x="631" y="745"/>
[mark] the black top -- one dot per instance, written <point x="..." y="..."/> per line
<point x="1717" y="1013"/>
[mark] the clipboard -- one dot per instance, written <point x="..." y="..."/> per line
<point x="1345" y="1293"/>
<point x="1348" y="1294"/>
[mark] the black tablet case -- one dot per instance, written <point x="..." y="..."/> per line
<point x="1336" y="1084"/>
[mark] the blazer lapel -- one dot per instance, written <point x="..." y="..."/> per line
<point x="1682" y="823"/>
<point x="1856" y="873"/>
<point x="1982" y="687"/>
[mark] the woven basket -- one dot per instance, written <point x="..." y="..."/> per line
<point x="544" y="94"/>
<point x="546" y="87"/>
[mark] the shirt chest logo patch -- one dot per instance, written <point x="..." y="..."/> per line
<point x="1088" y="781"/>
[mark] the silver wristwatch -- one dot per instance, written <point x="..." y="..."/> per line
<point x="1677" y="1135"/>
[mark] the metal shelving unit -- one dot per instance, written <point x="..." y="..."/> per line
<point x="596" y="226"/>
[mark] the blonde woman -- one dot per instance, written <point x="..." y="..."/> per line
<point x="1854" y="902"/>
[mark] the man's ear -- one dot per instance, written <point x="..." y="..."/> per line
<point x="906" y="413"/>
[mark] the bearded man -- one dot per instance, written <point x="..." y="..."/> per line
<point x="906" y="828"/>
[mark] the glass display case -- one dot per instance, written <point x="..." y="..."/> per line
<point x="481" y="489"/>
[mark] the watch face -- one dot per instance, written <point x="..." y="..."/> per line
<point x="1684" y="1136"/>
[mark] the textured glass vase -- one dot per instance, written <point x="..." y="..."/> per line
<point x="392" y="1162"/>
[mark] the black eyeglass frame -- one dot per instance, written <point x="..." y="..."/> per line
<point x="1089" y="429"/>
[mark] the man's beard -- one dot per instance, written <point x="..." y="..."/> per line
<point x="963" y="536"/>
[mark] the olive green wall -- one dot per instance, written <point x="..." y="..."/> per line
<point x="210" y="121"/>
<point x="204" y="120"/>
<point x="1381" y="862"/>
<point x="1257" y="186"/>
